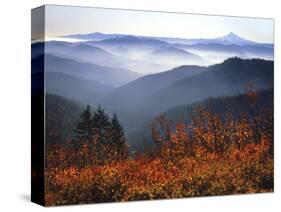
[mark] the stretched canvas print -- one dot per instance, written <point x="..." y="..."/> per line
<point x="139" y="105"/>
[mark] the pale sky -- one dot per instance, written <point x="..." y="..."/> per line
<point x="64" y="20"/>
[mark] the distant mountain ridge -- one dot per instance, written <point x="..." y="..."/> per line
<point x="230" y="38"/>
<point x="175" y="56"/>
<point x="89" y="53"/>
<point x="133" y="40"/>
<point x="92" y="36"/>
<point x="212" y="50"/>
<point x="110" y="76"/>
<point x="148" y="54"/>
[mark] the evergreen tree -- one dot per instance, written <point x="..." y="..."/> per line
<point x="118" y="138"/>
<point x="101" y="125"/>
<point x="84" y="128"/>
<point x="104" y="137"/>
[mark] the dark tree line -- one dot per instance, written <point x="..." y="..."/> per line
<point x="104" y="136"/>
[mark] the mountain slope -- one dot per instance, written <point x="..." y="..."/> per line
<point x="76" y="88"/>
<point x="220" y="105"/>
<point x="228" y="78"/>
<point x="136" y="91"/>
<point x="62" y="115"/>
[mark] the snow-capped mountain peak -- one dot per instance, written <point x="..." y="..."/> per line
<point x="232" y="38"/>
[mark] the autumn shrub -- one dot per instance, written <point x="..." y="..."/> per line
<point x="211" y="155"/>
<point x="244" y="171"/>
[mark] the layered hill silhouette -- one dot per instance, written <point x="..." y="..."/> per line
<point x="229" y="43"/>
<point x="173" y="92"/>
<point x="114" y="77"/>
<point x="228" y="78"/>
<point x="82" y="82"/>
<point x="81" y="52"/>
<point x="140" y="77"/>
<point x="147" y="55"/>
<point x="138" y="90"/>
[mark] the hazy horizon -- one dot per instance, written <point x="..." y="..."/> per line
<point x="70" y="39"/>
<point x="64" y="20"/>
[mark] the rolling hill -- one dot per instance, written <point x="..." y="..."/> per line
<point x="111" y="76"/>
<point x="174" y="56"/>
<point x="81" y="52"/>
<point x="136" y="91"/>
